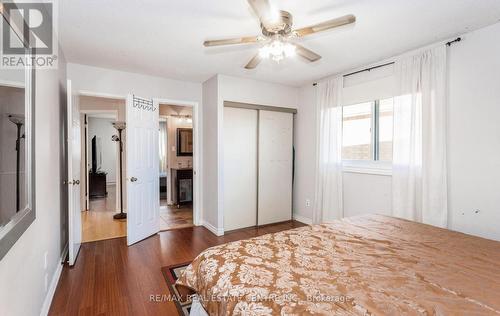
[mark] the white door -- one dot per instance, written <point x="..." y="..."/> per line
<point x="143" y="197"/>
<point x="240" y="168"/>
<point x="275" y="167"/>
<point x="73" y="181"/>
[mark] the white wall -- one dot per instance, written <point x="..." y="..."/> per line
<point x="210" y="164"/>
<point x="473" y="143"/>
<point x="366" y="193"/>
<point x="256" y="92"/>
<point x="474" y="133"/>
<point x="102" y="128"/>
<point x="305" y="154"/>
<point x="120" y="83"/>
<point x="25" y="280"/>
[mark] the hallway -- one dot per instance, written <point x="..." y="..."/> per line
<point x="98" y="222"/>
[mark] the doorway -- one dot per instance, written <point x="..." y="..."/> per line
<point x="100" y="157"/>
<point x="134" y="111"/>
<point x="176" y="144"/>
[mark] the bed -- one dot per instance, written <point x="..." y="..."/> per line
<point x="363" y="265"/>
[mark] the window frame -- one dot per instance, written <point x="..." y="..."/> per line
<point x="374" y="165"/>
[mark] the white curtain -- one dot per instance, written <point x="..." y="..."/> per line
<point x="328" y="199"/>
<point x="419" y="185"/>
<point x="163" y="147"/>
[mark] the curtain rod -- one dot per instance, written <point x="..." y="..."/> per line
<point x="363" y="70"/>
<point x="458" y="39"/>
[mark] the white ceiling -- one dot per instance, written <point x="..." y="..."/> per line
<point x="164" y="38"/>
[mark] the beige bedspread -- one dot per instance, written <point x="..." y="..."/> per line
<point x="356" y="266"/>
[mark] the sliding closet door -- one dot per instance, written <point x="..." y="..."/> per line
<point x="240" y="168"/>
<point x="275" y="167"/>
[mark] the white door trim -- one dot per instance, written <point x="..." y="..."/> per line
<point x="87" y="93"/>
<point x="197" y="159"/>
<point x="74" y="174"/>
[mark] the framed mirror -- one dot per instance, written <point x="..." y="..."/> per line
<point x="184" y="142"/>
<point x="17" y="154"/>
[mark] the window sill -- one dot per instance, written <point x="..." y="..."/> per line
<point x="367" y="167"/>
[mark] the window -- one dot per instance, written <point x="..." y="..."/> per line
<point x="367" y="131"/>
<point x="357" y="131"/>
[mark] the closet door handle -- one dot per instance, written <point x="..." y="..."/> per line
<point x="133" y="179"/>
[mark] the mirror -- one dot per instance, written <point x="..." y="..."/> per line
<point x="16" y="152"/>
<point x="184" y="142"/>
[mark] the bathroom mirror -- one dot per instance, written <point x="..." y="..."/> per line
<point x="17" y="210"/>
<point x="184" y="142"/>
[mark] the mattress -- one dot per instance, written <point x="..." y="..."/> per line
<point x="355" y="266"/>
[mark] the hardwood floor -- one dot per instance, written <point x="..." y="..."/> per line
<point x="110" y="278"/>
<point x="98" y="223"/>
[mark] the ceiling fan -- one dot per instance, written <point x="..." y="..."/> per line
<point x="277" y="34"/>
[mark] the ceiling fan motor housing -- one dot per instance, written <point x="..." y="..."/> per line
<point x="282" y="25"/>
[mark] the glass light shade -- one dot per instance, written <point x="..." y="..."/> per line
<point x="277" y="50"/>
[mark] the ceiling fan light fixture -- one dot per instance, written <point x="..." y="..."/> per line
<point x="277" y="50"/>
<point x="279" y="39"/>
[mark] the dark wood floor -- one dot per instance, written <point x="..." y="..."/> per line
<point x="110" y="278"/>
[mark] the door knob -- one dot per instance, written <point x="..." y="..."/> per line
<point x="77" y="182"/>
<point x="133" y="179"/>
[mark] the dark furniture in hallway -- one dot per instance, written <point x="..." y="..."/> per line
<point x="97" y="184"/>
<point x="184" y="186"/>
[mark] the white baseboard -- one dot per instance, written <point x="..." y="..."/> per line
<point x="302" y="219"/>
<point x="214" y="230"/>
<point x="53" y="283"/>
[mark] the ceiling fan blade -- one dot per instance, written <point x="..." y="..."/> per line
<point x="262" y="9"/>
<point x="306" y="53"/>
<point x="330" y="24"/>
<point x="254" y="62"/>
<point x="231" y="41"/>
